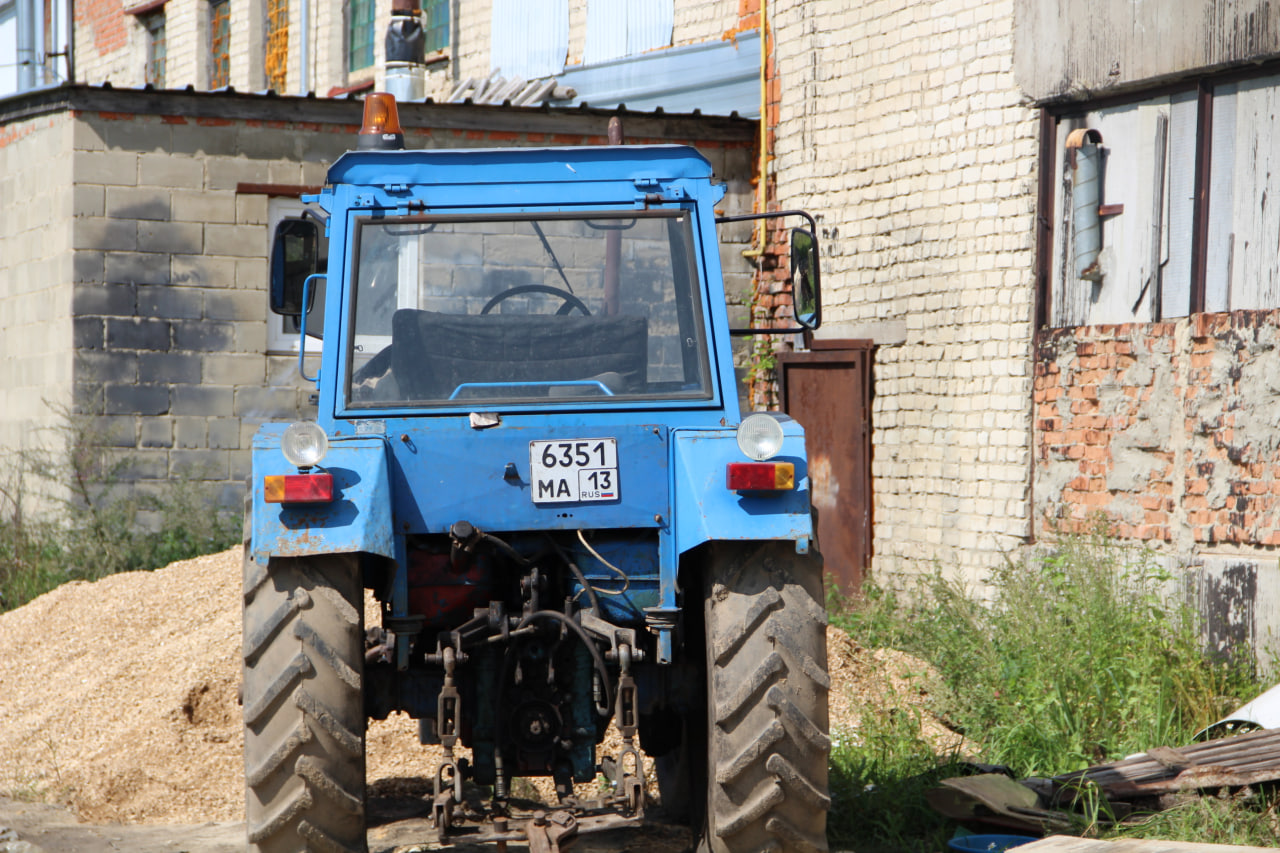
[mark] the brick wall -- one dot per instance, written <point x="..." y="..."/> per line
<point x="35" y="290"/>
<point x="1165" y="431"/>
<point x="902" y="129"/>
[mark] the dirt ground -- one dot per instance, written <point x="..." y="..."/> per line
<point x="119" y="722"/>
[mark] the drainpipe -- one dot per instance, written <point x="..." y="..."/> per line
<point x="1084" y="148"/>
<point x="304" y="48"/>
<point x="26" y="45"/>
<point x="406" y="70"/>
<point x="71" y="41"/>
<point x="762" y="186"/>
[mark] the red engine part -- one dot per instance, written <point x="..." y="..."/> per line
<point x="445" y="595"/>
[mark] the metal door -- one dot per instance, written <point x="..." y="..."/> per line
<point x="828" y="390"/>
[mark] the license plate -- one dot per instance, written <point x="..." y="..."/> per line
<point x="574" y="470"/>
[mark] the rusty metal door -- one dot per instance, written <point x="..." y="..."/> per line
<point x="828" y="390"/>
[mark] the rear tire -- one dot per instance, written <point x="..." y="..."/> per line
<point x="303" y="705"/>
<point x="767" y="726"/>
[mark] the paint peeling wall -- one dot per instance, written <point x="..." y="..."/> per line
<point x="1166" y="430"/>
<point x="1071" y="48"/>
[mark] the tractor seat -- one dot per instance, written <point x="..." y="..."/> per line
<point x="432" y="353"/>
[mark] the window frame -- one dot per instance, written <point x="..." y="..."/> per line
<point x="359" y="26"/>
<point x="154" y="22"/>
<point x="276" y="43"/>
<point x="1203" y="86"/>
<point x="219" y="37"/>
<point x="432" y="26"/>
<point x="689" y="298"/>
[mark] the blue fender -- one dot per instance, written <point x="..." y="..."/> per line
<point x="706" y="509"/>
<point x="358" y="519"/>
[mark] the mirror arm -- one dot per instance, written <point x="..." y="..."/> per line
<point x="302" y="329"/>
<point x="773" y="214"/>
<point x="778" y="214"/>
<point x="322" y="218"/>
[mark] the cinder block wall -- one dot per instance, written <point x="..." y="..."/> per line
<point x="170" y="271"/>
<point x="35" y="282"/>
<point x="902" y="129"/>
<point x="144" y="287"/>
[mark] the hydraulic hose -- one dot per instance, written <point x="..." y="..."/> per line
<point x="586" y="641"/>
<point x="582" y="578"/>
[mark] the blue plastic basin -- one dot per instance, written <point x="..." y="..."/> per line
<point x="988" y="843"/>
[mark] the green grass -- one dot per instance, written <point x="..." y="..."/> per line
<point x="90" y="524"/>
<point x="1064" y="661"/>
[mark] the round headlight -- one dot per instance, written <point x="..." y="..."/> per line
<point x="760" y="436"/>
<point x="304" y="444"/>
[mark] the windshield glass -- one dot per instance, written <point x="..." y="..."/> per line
<point x="451" y="311"/>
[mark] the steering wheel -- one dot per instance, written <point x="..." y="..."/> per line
<point x="570" y="301"/>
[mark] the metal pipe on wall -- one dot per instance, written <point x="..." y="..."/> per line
<point x="1084" y="149"/>
<point x="304" y="48"/>
<point x="26" y="45"/>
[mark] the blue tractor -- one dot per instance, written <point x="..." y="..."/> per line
<point x="528" y="448"/>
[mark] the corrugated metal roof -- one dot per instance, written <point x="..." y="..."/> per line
<point x="530" y="38"/>
<point x="620" y="28"/>
<point x="715" y="78"/>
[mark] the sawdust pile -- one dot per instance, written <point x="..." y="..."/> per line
<point x="119" y="698"/>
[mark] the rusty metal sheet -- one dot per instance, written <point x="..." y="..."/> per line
<point x="828" y="391"/>
<point x="1227" y="762"/>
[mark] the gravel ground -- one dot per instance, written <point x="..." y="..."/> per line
<point x="118" y="701"/>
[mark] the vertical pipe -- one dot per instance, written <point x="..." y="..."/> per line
<point x="763" y="189"/>
<point x="613" y="241"/>
<point x="1084" y="147"/>
<point x="455" y="30"/>
<point x="304" y="48"/>
<point x="26" y="45"/>
<point x="71" y="41"/>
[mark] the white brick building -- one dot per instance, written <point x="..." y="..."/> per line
<point x="902" y="127"/>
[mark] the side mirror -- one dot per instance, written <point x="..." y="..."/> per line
<point x="295" y="254"/>
<point x="805" y="278"/>
<point x="806" y="290"/>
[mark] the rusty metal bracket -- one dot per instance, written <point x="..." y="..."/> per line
<point x="546" y="831"/>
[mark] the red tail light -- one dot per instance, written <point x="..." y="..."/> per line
<point x="761" y="476"/>
<point x="298" y="488"/>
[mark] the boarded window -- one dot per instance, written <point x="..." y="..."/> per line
<point x="436" y="15"/>
<point x="530" y="38"/>
<point x="618" y="28"/>
<point x="1149" y="216"/>
<point x="153" y="23"/>
<point x="360" y="35"/>
<point x="276" y="61"/>
<point x="219" y="43"/>
<point x="1244" y="197"/>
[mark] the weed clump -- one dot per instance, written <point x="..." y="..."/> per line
<point x="67" y="513"/>
<point x="1065" y="659"/>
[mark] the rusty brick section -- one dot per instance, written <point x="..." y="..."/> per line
<point x="1162" y="429"/>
